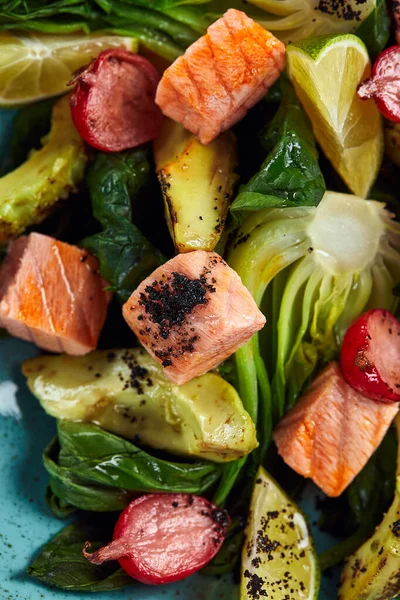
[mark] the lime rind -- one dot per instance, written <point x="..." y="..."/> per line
<point x="316" y="48"/>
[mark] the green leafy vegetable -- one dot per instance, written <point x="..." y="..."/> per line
<point x="164" y="28"/>
<point x="58" y="507"/>
<point x="375" y="30"/>
<point x="60" y="562"/>
<point x="313" y="289"/>
<point x="97" y="471"/>
<point x="30" y="125"/>
<point x="116" y="182"/>
<point x="290" y="174"/>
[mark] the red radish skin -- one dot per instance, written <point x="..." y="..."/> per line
<point x="112" y="104"/>
<point x="384" y="84"/>
<point x="161" y="538"/>
<point x="370" y="356"/>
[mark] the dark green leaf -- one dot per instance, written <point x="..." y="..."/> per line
<point x="375" y="30"/>
<point x="30" y="125"/>
<point x="60" y="562"/>
<point x="290" y="174"/>
<point x="58" y="507"/>
<point x="372" y="491"/>
<point x="115" y="183"/>
<point x="99" y="471"/>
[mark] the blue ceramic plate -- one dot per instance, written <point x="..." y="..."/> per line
<point x="25" y="521"/>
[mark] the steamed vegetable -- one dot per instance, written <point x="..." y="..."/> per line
<point x="371" y="573"/>
<point x="370" y="357"/>
<point x="319" y="286"/>
<point x="29" y="193"/>
<point x="97" y="471"/>
<point x="117" y="182"/>
<point x="197" y="183"/>
<point x="161" y="538"/>
<point x="126" y="391"/>
<point x="278" y="553"/>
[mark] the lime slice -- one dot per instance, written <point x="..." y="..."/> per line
<point x="325" y="72"/>
<point x="34" y="66"/>
<point x="278" y="559"/>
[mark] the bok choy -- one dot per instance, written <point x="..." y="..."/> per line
<point x="313" y="270"/>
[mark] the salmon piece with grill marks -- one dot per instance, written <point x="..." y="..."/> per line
<point x="52" y="294"/>
<point x="192" y="313"/>
<point x="221" y="75"/>
<point x="332" y="431"/>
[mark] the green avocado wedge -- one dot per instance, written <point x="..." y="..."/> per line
<point x="29" y="193"/>
<point x="373" y="572"/>
<point x="127" y="393"/>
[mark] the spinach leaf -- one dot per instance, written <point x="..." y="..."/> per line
<point x="98" y="471"/>
<point x="375" y="30"/>
<point x="58" y="506"/>
<point x="290" y="174"/>
<point x="60" y="562"/>
<point x="163" y="27"/>
<point x="116" y="182"/>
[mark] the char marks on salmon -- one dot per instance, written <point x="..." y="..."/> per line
<point x="221" y="76"/>
<point x="192" y="313"/>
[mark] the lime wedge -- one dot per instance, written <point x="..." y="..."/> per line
<point x="278" y="559"/>
<point x="34" y="66"/>
<point x="325" y="72"/>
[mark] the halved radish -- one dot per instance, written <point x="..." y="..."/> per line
<point x="160" y="538"/>
<point x="370" y="357"/>
<point x="384" y="84"/>
<point x="113" y="105"/>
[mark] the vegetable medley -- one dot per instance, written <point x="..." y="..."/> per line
<point x="198" y="228"/>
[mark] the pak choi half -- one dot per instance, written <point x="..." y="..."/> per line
<point x="312" y="270"/>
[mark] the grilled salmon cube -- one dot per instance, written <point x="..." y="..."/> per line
<point x="332" y="431"/>
<point x="221" y="75"/>
<point x="52" y="294"/>
<point x="192" y="313"/>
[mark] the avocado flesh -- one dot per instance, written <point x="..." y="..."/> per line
<point x="126" y="392"/>
<point x="30" y="192"/>
<point x="373" y="572"/>
<point x="197" y="182"/>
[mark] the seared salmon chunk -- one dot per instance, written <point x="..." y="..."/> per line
<point x="52" y="294"/>
<point x="221" y="75"/>
<point x="332" y="431"/>
<point x="192" y="313"/>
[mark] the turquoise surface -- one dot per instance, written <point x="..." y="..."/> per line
<point x="25" y="521"/>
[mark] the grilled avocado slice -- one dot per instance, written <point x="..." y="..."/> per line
<point x="197" y="182"/>
<point x="126" y="392"/>
<point x="30" y="192"/>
